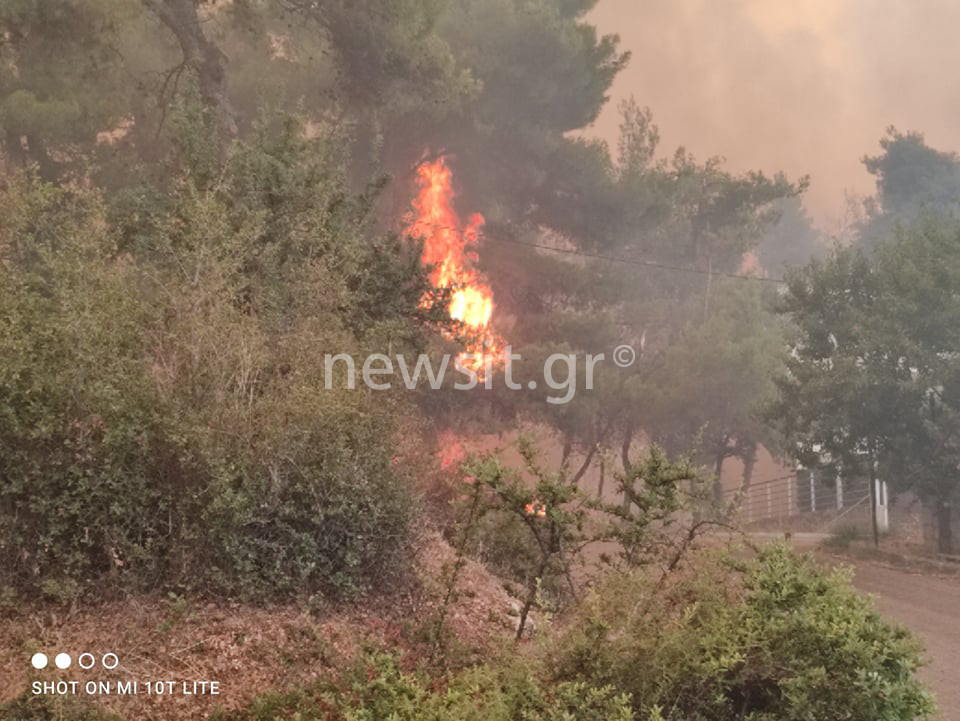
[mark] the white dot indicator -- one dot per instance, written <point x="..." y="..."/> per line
<point x="110" y="664"/>
<point x="63" y="660"/>
<point x="39" y="660"/>
<point x="86" y="661"/>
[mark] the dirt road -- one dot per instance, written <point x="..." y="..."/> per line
<point x="929" y="605"/>
<point x="926" y="603"/>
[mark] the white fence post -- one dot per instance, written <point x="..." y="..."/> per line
<point x="886" y="508"/>
<point x="883" y="510"/>
<point x="813" y="494"/>
<point x="839" y="492"/>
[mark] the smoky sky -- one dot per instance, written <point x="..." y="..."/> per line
<point x="803" y="86"/>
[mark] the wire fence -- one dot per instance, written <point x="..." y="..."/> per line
<point x="800" y="494"/>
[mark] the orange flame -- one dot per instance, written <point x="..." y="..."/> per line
<point x="449" y="248"/>
<point x="451" y="451"/>
<point x="535" y="508"/>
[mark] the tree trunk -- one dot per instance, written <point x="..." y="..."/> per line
<point x="588" y="459"/>
<point x="531" y="597"/>
<point x="945" y="527"/>
<point x="600" y="437"/>
<point x="718" y="469"/>
<point x="627" y="465"/>
<point x="625" y="447"/>
<point x="749" y="461"/>
<point x="706" y="295"/>
<point x="205" y="58"/>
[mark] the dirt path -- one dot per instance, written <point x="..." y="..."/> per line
<point x="929" y="605"/>
<point x="926" y="603"/>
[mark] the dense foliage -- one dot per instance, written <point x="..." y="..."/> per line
<point x="872" y="383"/>
<point x="380" y="689"/>
<point x="497" y="86"/>
<point x="164" y="413"/>
<point x="771" y="639"/>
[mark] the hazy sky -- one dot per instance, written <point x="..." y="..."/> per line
<point x="803" y="86"/>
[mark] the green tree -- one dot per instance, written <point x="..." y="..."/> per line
<point x="535" y="525"/>
<point x="792" y="240"/>
<point x="920" y="278"/>
<point x="913" y="180"/>
<point x="870" y="383"/>
<point x="715" y="382"/>
<point x="698" y="220"/>
<point x="166" y="419"/>
<point x="63" y="77"/>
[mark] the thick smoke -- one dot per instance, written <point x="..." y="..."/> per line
<point x="806" y="87"/>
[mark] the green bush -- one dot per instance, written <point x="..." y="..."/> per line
<point x="85" y="449"/>
<point x="532" y="526"/>
<point x="45" y="708"/>
<point x="841" y="538"/>
<point x="379" y="689"/>
<point x="164" y="420"/>
<point x="504" y="545"/>
<point x="774" y="639"/>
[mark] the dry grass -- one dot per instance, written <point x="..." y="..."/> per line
<point x="249" y="650"/>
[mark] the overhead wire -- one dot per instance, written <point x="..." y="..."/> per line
<point x="615" y="259"/>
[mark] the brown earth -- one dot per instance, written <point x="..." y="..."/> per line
<point x="251" y="649"/>
<point x="247" y="649"/>
<point x="928" y="605"/>
<point x="915" y="594"/>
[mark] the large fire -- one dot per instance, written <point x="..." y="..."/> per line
<point x="449" y="246"/>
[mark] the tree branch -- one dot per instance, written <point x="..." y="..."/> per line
<point x="205" y="58"/>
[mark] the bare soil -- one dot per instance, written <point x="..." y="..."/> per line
<point x="929" y="605"/>
<point x="917" y="593"/>
<point x="249" y="650"/>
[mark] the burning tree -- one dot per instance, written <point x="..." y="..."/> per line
<point x="449" y="250"/>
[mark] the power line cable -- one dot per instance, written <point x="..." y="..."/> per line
<point x="614" y="259"/>
<point x="637" y="261"/>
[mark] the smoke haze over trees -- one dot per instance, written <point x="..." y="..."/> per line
<point x="804" y="87"/>
<point x="199" y="201"/>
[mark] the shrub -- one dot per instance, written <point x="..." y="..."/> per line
<point x="379" y="689"/>
<point x="164" y="420"/>
<point x="532" y="526"/>
<point x="841" y="538"/>
<point x="28" y="707"/>
<point x="778" y="639"/>
<point x="86" y="452"/>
